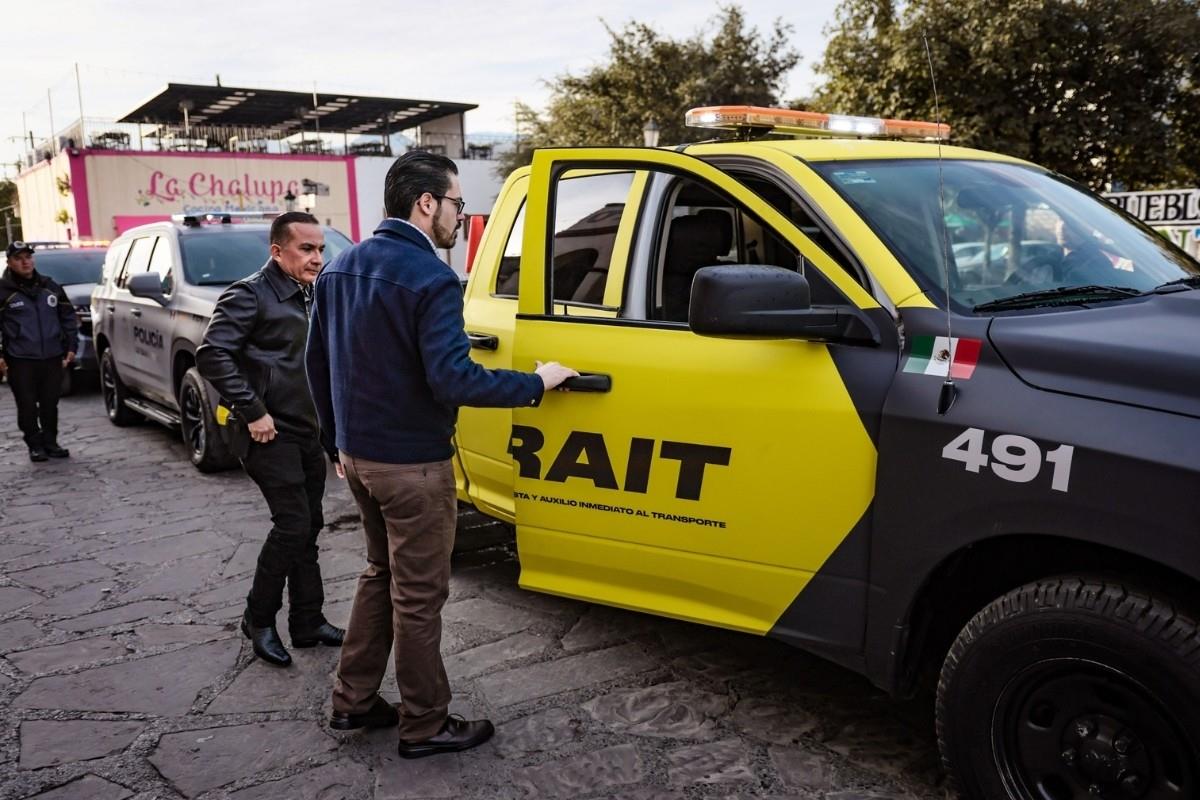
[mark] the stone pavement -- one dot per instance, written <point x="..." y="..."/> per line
<point x="122" y="673"/>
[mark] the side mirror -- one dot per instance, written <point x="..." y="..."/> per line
<point x="747" y="301"/>
<point x="147" y="285"/>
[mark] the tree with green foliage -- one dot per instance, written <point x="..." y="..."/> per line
<point x="1104" y="91"/>
<point x="651" y="76"/>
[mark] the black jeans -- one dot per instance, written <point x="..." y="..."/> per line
<point x="36" y="383"/>
<point x="291" y="474"/>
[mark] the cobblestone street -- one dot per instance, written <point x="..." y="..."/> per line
<point x="123" y="573"/>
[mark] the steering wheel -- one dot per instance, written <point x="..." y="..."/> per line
<point x="1041" y="271"/>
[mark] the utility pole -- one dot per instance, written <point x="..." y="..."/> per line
<point x="53" y="140"/>
<point x="516" y="127"/>
<point x="79" y="96"/>
<point x="185" y="106"/>
<point x="316" y="113"/>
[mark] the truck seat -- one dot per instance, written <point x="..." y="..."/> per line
<point x="693" y="242"/>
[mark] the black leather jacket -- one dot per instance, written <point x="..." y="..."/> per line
<point x="253" y="351"/>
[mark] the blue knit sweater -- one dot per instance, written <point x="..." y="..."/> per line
<point x="388" y="358"/>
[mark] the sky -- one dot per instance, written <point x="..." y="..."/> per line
<point x="488" y="53"/>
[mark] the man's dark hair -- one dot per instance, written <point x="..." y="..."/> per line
<point x="412" y="175"/>
<point x="281" y="226"/>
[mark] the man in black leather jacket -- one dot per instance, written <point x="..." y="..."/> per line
<point x="253" y="354"/>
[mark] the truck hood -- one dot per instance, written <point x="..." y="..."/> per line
<point x="80" y="294"/>
<point x="198" y="301"/>
<point x="209" y="294"/>
<point x="1143" y="352"/>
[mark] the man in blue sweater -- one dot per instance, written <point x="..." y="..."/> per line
<point x="388" y="362"/>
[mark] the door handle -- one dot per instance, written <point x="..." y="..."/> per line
<point x="110" y="308"/>
<point x="137" y="312"/>
<point x="483" y="341"/>
<point x="588" y="382"/>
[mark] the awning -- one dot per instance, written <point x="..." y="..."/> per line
<point x="288" y="112"/>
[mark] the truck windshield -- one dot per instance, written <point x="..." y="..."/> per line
<point x="1009" y="230"/>
<point x="218" y="258"/>
<point x="68" y="267"/>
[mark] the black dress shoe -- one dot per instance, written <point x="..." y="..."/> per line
<point x="456" y="734"/>
<point x="381" y="714"/>
<point x="324" y="633"/>
<point x="37" y="454"/>
<point x="267" y="644"/>
<point x="54" y="451"/>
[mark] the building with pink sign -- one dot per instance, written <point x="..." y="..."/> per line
<point x="87" y="194"/>
<point x="196" y="149"/>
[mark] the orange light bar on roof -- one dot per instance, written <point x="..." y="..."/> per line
<point x="810" y="123"/>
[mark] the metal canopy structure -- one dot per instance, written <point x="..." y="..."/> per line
<point x="285" y="113"/>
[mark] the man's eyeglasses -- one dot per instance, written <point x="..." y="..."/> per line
<point x="459" y="203"/>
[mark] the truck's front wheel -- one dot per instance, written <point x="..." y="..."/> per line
<point x="114" y="393"/>
<point x="206" y="450"/>
<point x="1069" y="688"/>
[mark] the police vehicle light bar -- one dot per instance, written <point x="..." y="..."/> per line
<point x="810" y="123"/>
<point x="224" y="217"/>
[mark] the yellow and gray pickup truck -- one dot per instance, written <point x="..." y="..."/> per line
<point x="922" y="410"/>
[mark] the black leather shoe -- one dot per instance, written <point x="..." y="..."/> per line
<point x="381" y="714"/>
<point x="456" y="734"/>
<point x="54" y="451"/>
<point x="37" y="454"/>
<point x="324" y="633"/>
<point x="267" y="645"/>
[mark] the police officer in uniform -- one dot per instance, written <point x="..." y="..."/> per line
<point x="38" y="337"/>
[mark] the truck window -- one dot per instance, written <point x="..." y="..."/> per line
<point x="703" y="228"/>
<point x="797" y="213"/>
<point x="114" y="262"/>
<point x="139" y="259"/>
<point x="160" y="263"/>
<point x="587" y="212"/>
<point x="510" y="263"/>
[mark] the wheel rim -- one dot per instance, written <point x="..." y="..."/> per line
<point x="1069" y="729"/>
<point x="193" y="425"/>
<point x="108" y="386"/>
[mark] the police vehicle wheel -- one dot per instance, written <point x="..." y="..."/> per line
<point x="206" y="450"/>
<point x="1073" y="687"/>
<point x="114" y="393"/>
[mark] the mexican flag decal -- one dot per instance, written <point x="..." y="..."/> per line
<point x="940" y="355"/>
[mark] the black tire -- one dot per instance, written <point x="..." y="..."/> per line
<point x="206" y="450"/>
<point x="113" y="391"/>
<point x="1073" y="688"/>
